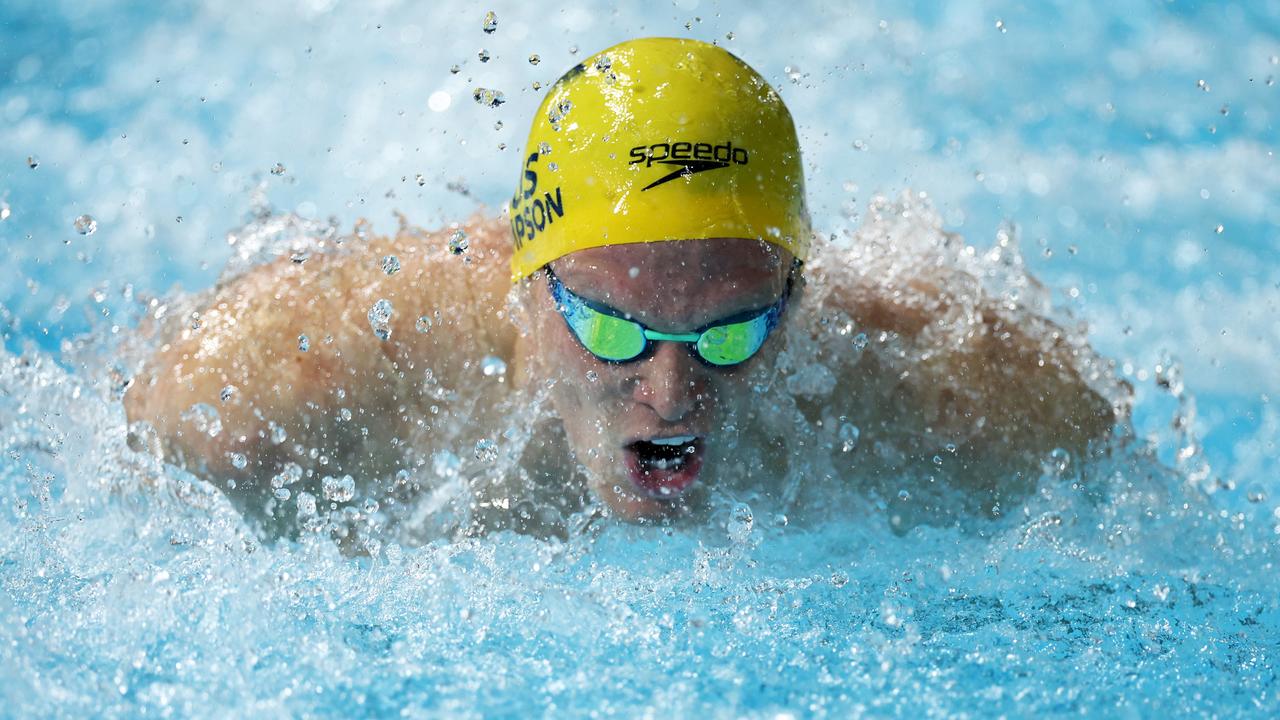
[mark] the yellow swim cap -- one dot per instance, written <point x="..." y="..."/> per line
<point x="658" y="139"/>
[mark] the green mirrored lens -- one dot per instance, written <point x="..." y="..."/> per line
<point x="607" y="337"/>
<point x="734" y="343"/>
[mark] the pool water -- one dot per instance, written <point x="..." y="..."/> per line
<point x="1130" y="148"/>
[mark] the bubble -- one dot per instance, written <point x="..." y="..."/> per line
<point x="544" y="149"/>
<point x="592" y="376"/>
<point x="729" y="35"/>
<point x="603" y="63"/>
<point x="793" y="74"/>
<point x="338" y="489"/>
<point x="741" y="521"/>
<point x="281" y="493"/>
<point x="557" y="114"/>
<point x="493" y="366"/>
<point x="306" y="505"/>
<point x="633" y="273"/>
<point x="488" y="97"/>
<point x="421" y="180"/>
<point x="277" y="169"/>
<point x="848" y="434"/>
<point x="278" y="434"/>
<point x="344" y="414"/>
<point x="454" y="70"/>
<point x="1202" y="85"/>
<point x="859" y="341"/>
<point x="839" y="579"/>
<point x="486" y="451"/>
<point x="534" y="59"/>
<point x="458" y="242"/>
<point x="391" y="265"/>
<point x="4" y="210"/>
<point x="490" y="22"/>
<point x="227" y="393"/>
<point x="239" y="461"/>
<point x="483" y="55"/>
<point x="439" y="101"/>
<point x="423" y="324"/>
<point x="33" y="162"/>
<point x="86" y="225"/>
<point x="1219" y="229"/>
<point x="304" y="343"/>
<point x="380" y="319"/>
<point x="1001" y="26"/>
<point x="497" y="125"/>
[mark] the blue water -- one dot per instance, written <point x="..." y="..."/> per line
<point x="1132" y="145"/>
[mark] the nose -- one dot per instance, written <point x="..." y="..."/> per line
<point x="670" y="381"/>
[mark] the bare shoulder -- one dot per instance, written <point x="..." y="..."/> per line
<point x="329" y="354"/>
<point x="945" y="365"/>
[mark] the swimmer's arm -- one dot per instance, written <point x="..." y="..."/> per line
<point x="343" y="403"/>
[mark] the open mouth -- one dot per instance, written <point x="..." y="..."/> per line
<point x="664" y="467"/>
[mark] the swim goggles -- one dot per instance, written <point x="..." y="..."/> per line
<point x="614" y="337"/>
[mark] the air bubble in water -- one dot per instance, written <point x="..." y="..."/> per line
<point x="603" y="63"/>
<point x="486" y="451"/>
<point x="304" y="343"/>
<point x="492" y="365"/>
<point x="848" y="435"/>
<point x="592" y="376"/>
<point x="488" y="97"/>
<point x="339" y="489"/>
<point x="4" y="210"/>
<point x="557" y="114"/>
<point x="278" y="434"/>
<point x="793" y="74"/>
<point x="1001" y="26"/>
<point x="490" y="22"/>
<point x="1202" y="85"/>
<point x="421" y="180"/>
<point x="458" y="242"/>
<point x="239" y="461"/>
<point x="391" y="264"/>
<point x="380" y="319"/>
<point x="483" y="55"/>
<point x="288" y="475"/>
<point x="33" y="162"/>
<point x="534" y="59"/>
<point x="544" y="149"/>
<point x="227" y="393"/>
<point x="859" y="341"/>
<point x="1219" y="229"/>
<point x="277" y="169"/>
<point x="86" y="225"/>
<point x="423" y="325"/>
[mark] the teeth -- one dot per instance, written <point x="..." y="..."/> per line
<point x="668" y="464"/>
<point x="677" y="440"/>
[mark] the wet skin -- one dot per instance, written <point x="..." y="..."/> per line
<point x="1004" y="395"/>
<point x="672" y="287"/>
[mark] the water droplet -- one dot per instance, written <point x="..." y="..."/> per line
<point x="278" y="434"/>
<point x="603" y="63"/>
<point x="281" y="493"/>
<point x="380" y="319"/>
<point x="458" y="242"/>
<point x="391" y="264"/>
<point x="277" y="169"/>
<point x="592" y="376"/>
<point x="304" y="343"/>
<point x="423" y="324"/>
<point x="904" y="495"/>
<point x="288" y="475"/>
<point x="552" y="166"/>
<point x="490" y="22"/>
<point x="86" y="225"/>
<point x="1226" y="110"/>
<point x="227" y="393"/>
<point x="1001" y="26"/>
<point x="544" y="149"/>
<point x="1202" y="85"/>
<point x="859" y="341"/>
<point x="488" y="97"/>
<point x="537" y="85"/>
<point x="848" y="435"/>
<point x="344" y="414"/>
<point x="633" y="273"/>
<point x="534" y="59"/>
<point x="492" y="365"/>
<point x="793" y="74"/>
<point x="1219" y="229"/>
<point x="421" y="180"/>
<point x="338" y="489"/>
<point x="497" y="125"/>
<point x="741" y="521"/>
<point x="4" y="210"/>
<point x="483" y="55"/>
<point x="239" y="461"/>
<point x="204" y="418"/>
<point x="486" y="451"/>
<point x="557" y="114"/>
<point x="573" y="49"/>
<point x="33" y="162"/>
<point x="454" y="70"/>
<point x="728" y="35"/>
<point x="839" y="579"/>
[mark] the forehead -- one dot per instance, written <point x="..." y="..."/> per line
<point x="679" y="282"/>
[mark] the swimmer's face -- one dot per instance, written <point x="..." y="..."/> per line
<point x="649" y="430"/>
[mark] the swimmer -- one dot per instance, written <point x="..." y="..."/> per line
<point x="651" y="320"/>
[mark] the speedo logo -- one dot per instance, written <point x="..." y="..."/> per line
<point x="687" y="158"/>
